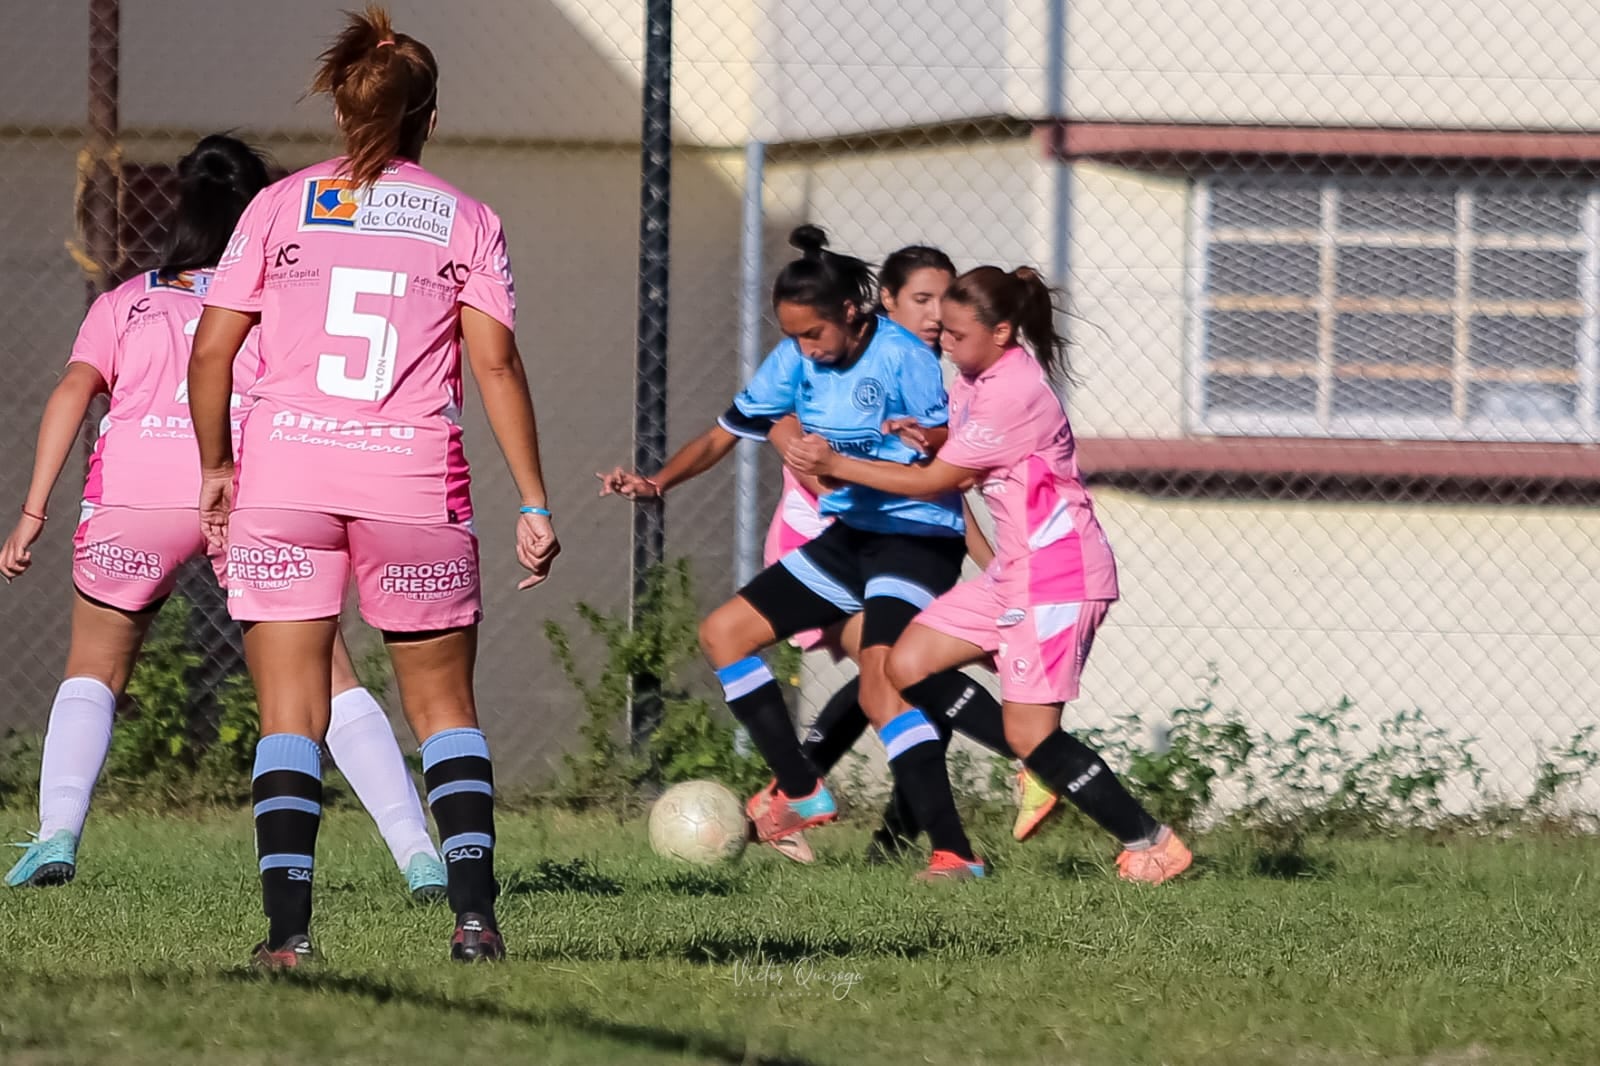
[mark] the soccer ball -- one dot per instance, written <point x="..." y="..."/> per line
<point x="699" y="822"/>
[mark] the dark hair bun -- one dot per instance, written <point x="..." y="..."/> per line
<point x="809" y="240"/>
<point x="223" y="160"/>
<point x="216" y="167"/>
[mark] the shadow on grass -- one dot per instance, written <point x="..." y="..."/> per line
<point x="699" y="883"/>
<point x="379" y="991"/>
<point x="1263" y="857"/>
<point x="1289" y="864"/>
<point x="577" y="876"/>
<point x="1079" y="868"/>
<point x="713" y="950"/>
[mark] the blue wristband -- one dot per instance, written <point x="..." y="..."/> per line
<point x="540" y="511"/>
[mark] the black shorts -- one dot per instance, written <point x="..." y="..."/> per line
<point x="889" y="577"/>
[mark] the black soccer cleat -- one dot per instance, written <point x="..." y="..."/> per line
<point x="294" y="953"/>
<point x="476" y="940"/>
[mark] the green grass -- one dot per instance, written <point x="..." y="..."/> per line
<point x="1438" y="952"/>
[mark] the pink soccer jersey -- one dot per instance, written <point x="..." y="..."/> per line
<point x="138" y="337"/>
<point x="357" y="411"/>
<point x="797" y="520"/>
<point x="1049" y="547"/>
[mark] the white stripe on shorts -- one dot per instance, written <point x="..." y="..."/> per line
<point x="1052" y="618"/>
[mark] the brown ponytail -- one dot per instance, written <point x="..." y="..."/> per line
<point x="385" y="86"/>
<point x="1020" y="299"/>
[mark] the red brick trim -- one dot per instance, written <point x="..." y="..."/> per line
<point x="1117" y="457"/>
<point x="1120" y="140"/>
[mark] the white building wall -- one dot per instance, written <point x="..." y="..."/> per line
<point x="1458" y="64"/>
<point x="785" y="70"/>
<point x="1485" y="618"/>
<point x="555" y="70"/>
<point x="1128" y="254"/>
<point x="982" y="202"/>
<point x="829" y="68"/>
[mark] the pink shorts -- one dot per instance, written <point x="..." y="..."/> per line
<point x="128" y="557"/>
<point x="1039" y="651"/>
<point x="293" y="566"/>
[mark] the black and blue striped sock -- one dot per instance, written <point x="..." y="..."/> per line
<point x="460" y="780"/>
<point x="757" y="702"/>
<point x="286" y="789"/>
<point x="916" y="757"/>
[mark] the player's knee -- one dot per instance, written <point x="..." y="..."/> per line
<point x="343" y="677"/>
<point x="1024" y="735"/>
<point x="721" y="638"/>
<point x="304" y="714"/>
<point x="712" y="634"/>
<point x="907" y="665"/>
<point x="879" y="698"/>
<point x="110" y="671"/>
<point x="442" y="714"/>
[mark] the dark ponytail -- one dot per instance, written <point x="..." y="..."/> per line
<point x="822" y="280"/>
<point x="216" y="182"/>
<point x="901" y="264"/>
<point x="1021" y="299"/>
<point x="1036" y="321"/>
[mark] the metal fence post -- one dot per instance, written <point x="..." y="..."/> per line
<point x="746" y="517"/>
<point x="650" y="388"/>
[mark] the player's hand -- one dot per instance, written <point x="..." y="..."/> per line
<point x="812" y="455"/>
<point x="14" y="555"/>
<point x="216" y="504"/>
<point x="627" y="484"/>
<point x="537" y="547"/>
<point x="909" y="430"/>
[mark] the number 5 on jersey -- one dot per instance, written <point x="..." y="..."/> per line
<point x="345" y="286"/>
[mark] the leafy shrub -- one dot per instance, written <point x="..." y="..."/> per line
<point x="691" y="741"/>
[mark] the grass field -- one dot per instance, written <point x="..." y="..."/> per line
<point x="1441" y="952"/>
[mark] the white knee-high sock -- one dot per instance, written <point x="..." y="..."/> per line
<point x="362" y="744"/>
<point x="75" y="746"/>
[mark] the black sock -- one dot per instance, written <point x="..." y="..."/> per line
<point x="916" y="757"/>
<point x="953" y="700"/>
<point x="460" y="779"/>
<point x="757" y="702"/>
<point x="286" y="789"/>
<point x="1072" y="770"/>
<point x="899" y="820"/>
<point x="837" y="728"/>
<point x="899" y="817"/>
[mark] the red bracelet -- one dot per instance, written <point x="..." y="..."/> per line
<point x="36" y="517"/>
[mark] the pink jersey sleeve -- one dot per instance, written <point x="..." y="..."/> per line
<point x="489" y="286"/>
<point x="242" y="270"/>
<point x="986" y="433"/>
<point x="96" y="345"/>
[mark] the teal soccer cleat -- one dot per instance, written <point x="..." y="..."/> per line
<point x="46" y="862"/>
<point x="426" y="878"/>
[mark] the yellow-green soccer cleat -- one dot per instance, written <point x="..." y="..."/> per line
<point x="1034" y="804"/>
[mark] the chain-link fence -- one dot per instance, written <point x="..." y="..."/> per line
<point x="1333" y="275"/>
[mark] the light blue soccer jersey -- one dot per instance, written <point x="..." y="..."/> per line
<point x="896" y="377"/>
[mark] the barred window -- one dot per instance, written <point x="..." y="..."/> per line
<point x="1395" y="308"/>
